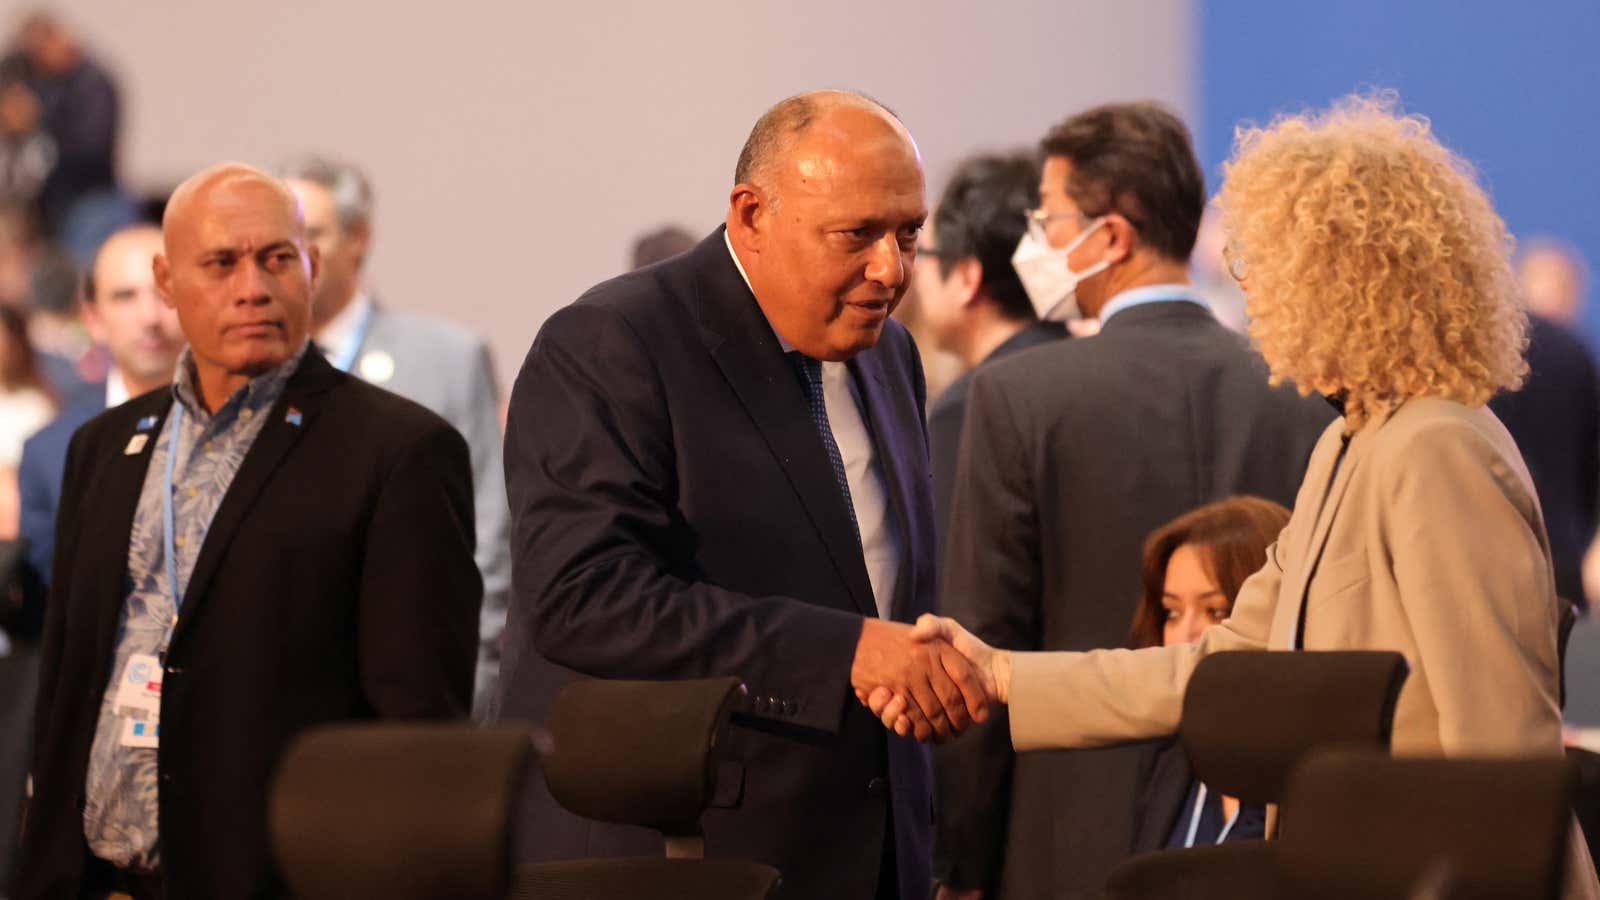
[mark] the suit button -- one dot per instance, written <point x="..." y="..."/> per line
<point x="878" y="788"/>
<point x="790" y="707"/>
<point x="763" y="704"/>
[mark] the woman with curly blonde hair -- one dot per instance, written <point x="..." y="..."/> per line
<point x="1377" y="273"/>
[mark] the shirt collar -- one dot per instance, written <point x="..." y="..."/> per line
<point x="1150" y="293"/>
<point x="785" y="345"/>
<point x="334" y="338"/>
<point x="257" y="394"/>
<point x="116" y="388"/>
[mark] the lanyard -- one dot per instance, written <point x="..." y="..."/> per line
<point x="1194" y="820"/>
<point x="168" y="532"/>
<point x="353" y="346"/>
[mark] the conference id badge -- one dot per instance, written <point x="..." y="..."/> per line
<point x="139" y="688"/>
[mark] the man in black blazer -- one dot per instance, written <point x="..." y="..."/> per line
<point x="970" y="297"/>
<point x="692" y="497"/>
<point x="313" y="564"/>
<point x="1555" y="418"/>
<point x="1072" y="454"/>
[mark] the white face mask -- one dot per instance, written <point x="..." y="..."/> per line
<point x="1048" y="278"/>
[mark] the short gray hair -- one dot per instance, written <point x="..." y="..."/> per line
<point x="346" y="184"/>
<point x="778" y="127"/>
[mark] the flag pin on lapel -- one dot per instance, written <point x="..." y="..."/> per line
<point x="293" y="416"/>
<point x="135" y="444"/>
<point x="145" y="424"/>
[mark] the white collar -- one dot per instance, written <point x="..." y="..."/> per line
<point x="335" y="336"/>
<point x="116" y="388"/>
<point x="783" y="344"/>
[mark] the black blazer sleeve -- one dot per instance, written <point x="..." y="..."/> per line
<point x="420" y="588"/>
<point x="990" y="556"/>
<point x="603" y="575"/>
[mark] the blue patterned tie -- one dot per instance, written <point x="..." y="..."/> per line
<point x="811" y="376"/>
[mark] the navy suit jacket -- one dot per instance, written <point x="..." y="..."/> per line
<point x="44" y="459"/>
<point x="674" y="515"/>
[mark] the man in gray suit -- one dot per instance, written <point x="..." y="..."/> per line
<point x="438" y="364"/>
<point x="1072" y="453"/>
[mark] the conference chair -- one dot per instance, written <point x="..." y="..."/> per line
<point x="645" y="753"/>
<point x="398" y="811"/>
<point x="1371" y="826"/>
<point x="1248" y="719"/>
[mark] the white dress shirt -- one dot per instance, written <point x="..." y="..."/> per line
<point x="880" y="531"/>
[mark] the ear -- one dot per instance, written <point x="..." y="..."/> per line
<point x="360" y="236"/>
<point x="162" y="270"/>
<point x="748" y="217"/>
<point x="968" y="277"/>
<point x="314" y="258"/>
<point x="1124" y="238"/>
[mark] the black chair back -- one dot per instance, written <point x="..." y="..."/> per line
<point x="398" y="811"/>
<point x="1249" y="717"/>
<point x="1368" y="825"/>
<point x="638" y="752"/>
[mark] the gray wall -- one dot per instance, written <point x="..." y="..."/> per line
<point x="518" y="147"/>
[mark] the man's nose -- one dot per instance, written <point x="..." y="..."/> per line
<point x="887" y="264"/>
<point x="250" y="283"/>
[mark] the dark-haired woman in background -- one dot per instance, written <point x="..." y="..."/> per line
<point x="1193" y="567"/>
<point x="25" y="407"/>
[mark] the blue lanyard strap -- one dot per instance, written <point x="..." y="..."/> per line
<point x="359" y="337"/>
<point x="169" y="534"/>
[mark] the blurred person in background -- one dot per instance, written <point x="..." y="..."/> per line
<point x="1555" y="279"/>
<point x="1378" y="273"/>
<point x="1072" y="454"/>
<point x="972" y="303"/>
<point x="436" y="363"/>
<point x="26" y="405"/>
<point x="124" y="314"/>
<point x="68" y="357"/>
<point x="50" y="87"/>
<point x="662" y="244"/>
<point x="1193" y="568"/>
<point x="17" y="249"/>
<point x="1555" y="415"/>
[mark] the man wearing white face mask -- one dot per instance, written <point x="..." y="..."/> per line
<point x="1072" y="453"/>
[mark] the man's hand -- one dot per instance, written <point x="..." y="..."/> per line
<point x="942" y="693"/>
<point x="946" y="892"/>
<point x="992" y="667"/>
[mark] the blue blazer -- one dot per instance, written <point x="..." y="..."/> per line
<point x="44" y="458"/>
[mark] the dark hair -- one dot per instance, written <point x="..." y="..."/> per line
<point x="1135" y="159"/>
<point x="662" y="243"/>
<point x="19" y="365"/>
<point x="982" y="215"/>
<point x="1233" y="536"/>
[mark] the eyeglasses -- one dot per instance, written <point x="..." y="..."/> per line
<point x="1234" y="262"/>
<point x="1040" y="219"/>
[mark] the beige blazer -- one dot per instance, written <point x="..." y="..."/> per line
<point x="1429" y="542"/>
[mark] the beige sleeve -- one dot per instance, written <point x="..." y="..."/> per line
<point x="1101" y="697"/>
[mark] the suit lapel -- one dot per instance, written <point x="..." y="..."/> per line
<point x="1310" y="555"/>
<point x="117" y="499"/>
<point x="743" y="346"/>
<point x="870" y="379"/>
<point x="271" y="445"/>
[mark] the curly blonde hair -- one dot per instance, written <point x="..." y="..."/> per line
<point x="1378" y="268"/>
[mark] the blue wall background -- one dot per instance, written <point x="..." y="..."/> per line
<point x="1513" y="87"/>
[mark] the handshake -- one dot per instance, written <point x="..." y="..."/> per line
<point x="931" y="680"/>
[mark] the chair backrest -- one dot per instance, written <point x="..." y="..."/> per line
<point x="399" y="811"/>
<point x="1372" y="826"/>
<point x="638" y="752"/>
<point x="1250" y="716"/>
